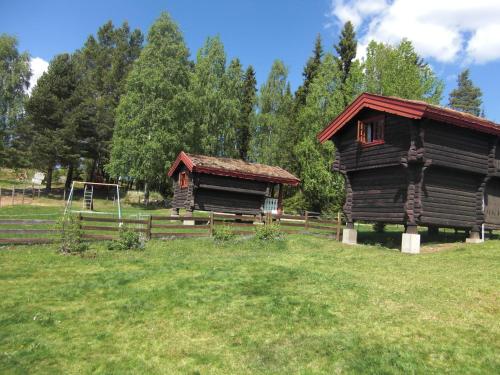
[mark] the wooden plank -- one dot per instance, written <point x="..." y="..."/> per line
<point x="293" y="217"/>
<point x="322" y="227"/>
<point x="26" y="222"/>
<point x="180" y="226"/>
<point x="290" y="224"/>
<point x="29" y="231"/>
<point x="177" y="234"/>
<point x="98" y="236"/>
<point x="27" y="240"/>
<point x="180" y="218"/>
<point x="232" y="224"/>
<point x="113" y="220"/>
<point x="232" y="189"/>
<point x="112" y="229"/>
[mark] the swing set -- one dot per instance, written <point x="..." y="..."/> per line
<point x="88" y="198"/>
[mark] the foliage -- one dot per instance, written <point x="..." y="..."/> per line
<point x="466" y="97"/>
<point x="128" y="239"/>
<point x="295" y="204"/>
<point x="249" y="98"/>
<point x="54" y="132"/>
<point x="269" y="232"/>
<point x="400" y="71"/>
<point x="14" y="81"/>
<point x="271" y="131"/>
<point x="223" y="233"/>
<point x="71" y="236"/>
<point x="150" y="117"/>
<point x="103" y="65"/>
<point x="346" y="49"/>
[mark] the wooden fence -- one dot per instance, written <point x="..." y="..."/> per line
<point x="23" y="231"/>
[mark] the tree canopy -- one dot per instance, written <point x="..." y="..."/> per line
<point x="466" y="97"/>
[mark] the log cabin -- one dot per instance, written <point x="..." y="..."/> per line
<point x="412" y="163"/>
<point x="208" y="183"/>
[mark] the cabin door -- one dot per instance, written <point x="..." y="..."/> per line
<point x="492" y="202"/>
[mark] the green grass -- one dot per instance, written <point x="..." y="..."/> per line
<point x="303" y="306"/>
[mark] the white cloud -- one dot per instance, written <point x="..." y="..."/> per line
<point x="447" y="30"/>
<point x="38" y="66"/>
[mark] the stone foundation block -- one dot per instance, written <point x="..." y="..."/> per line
<point x="350" y="236"/>
<point x="410" y="243"/>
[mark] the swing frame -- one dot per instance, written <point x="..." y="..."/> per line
<point x="69" y="202"/>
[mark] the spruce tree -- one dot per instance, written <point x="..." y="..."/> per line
<point x="55" y="133"/>
<point x="466" y="97"/>
<point x="247" y="113"/>
<point x="310" y="71"/>
<point x="346" y="49"/>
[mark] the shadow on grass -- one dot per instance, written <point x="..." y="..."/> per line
<point x="391" y="237"/>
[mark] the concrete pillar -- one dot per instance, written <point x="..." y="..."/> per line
<point x="349" y="235"/>
<point x="410" y="242"/>
<point x="187" y="220"/>
<point x="475" y="237"/>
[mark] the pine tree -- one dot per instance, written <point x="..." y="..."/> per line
<point x="249" y="96"/>
<point x="104" y="63"/>
<point x="151" y="118"/>
<point x="346" y="49"/>
<point x="310" y="71"/>
<point x="55" y="134"/>
<point x="14" y="81"/>
<point x="466" y="97"/>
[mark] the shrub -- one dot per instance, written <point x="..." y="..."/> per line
<point x="128" y="239"/>
<point x="223" y="233"/>
<point x="71" y="236"/>
<point x="269" y="232"/>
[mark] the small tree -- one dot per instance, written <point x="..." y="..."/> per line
<point x="466" y="97"/>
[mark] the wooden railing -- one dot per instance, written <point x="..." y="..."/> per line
<point x="23" y="231"/>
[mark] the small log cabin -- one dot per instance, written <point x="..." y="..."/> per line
<point x="217" y="184"/>
<point x="413" y="163"/>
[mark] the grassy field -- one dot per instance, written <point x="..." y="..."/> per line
<point x="305" y="305"/>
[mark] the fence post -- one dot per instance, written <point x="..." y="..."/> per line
<point x="13" y="193"/>
<point x="211" y="229"/>
<point x="150" y="226"/>
<point x="33" y="192"/>
<point x="80" y="219"/>
<point x="339" y="225"/>
<point x="0" y="196"/>
<point x="22" y="201"/>
<point x="306" y="223"/>
<point x="38" y="193"/>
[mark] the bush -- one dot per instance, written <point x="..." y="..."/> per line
<point x="71" y="236"/>
<point x="223" y="233"/>
<point x="269" y="232"/>
<point x="128" y="239"/>
<point x="295" y="204"/>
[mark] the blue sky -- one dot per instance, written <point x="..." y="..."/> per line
<point x="450" y="34"/>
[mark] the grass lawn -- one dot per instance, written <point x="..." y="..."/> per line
<point x="305" y="305"/>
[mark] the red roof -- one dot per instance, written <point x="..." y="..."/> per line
<point x="233" y="168"/>
<point x="407" y="108"/>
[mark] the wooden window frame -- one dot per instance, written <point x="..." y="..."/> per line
<point x="183" y="180"/>
<point x="379" y="129"/>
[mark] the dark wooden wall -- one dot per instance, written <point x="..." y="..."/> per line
<point x="220" y="193"/>
<point x="492" y="203"/>
<point x="426" y="173"/>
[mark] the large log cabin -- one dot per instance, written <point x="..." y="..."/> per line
<point x="227" y="185"/>
<point x="413" y="163"/>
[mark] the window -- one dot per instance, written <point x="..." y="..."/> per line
<point x="371" y="131"/>
<point x="183" y="180"/>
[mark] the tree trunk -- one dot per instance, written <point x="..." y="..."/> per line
<point x="48" y="178"/>
<point x="69" y="176"/>
<point x="91" y="174"/>
<point x="146" y="193"/>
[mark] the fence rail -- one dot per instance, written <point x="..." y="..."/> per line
<point x="22" y="231"/>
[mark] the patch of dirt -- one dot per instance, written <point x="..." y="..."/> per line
<point x="436" y="247"/>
